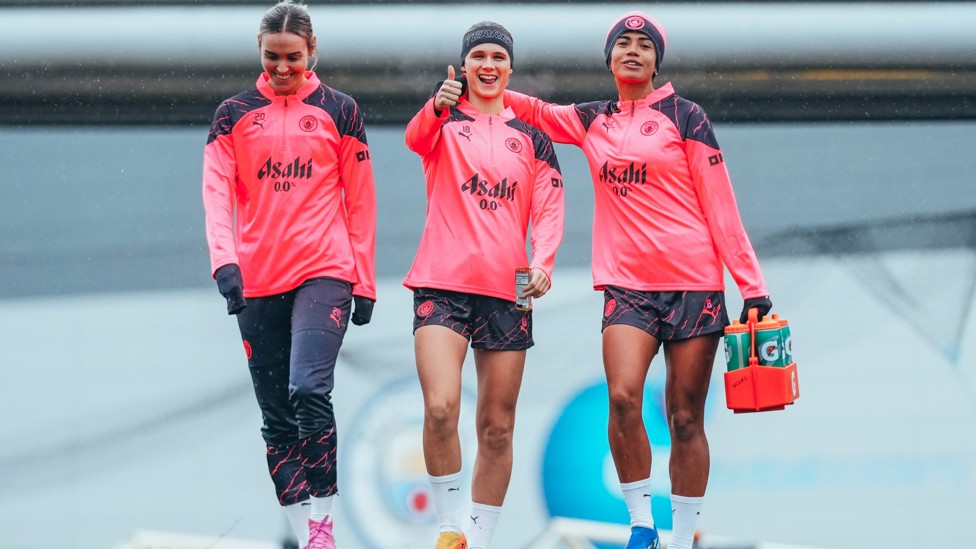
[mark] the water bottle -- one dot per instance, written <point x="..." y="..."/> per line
<point x="737" y="344"/>
<point x="523" y="275"/>
<point x="786" y="338"/>
<point x="769" y="343"/>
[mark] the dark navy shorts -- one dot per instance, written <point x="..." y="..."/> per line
<point x="487" y="322"/>
<point x="668" y="316"/>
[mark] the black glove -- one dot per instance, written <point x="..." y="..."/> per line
<point x="231" y="286"/>
<point x="363" y="311"/>
<point x="761" y="303"/>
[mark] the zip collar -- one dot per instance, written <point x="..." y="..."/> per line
<point x="312" y="83"/>
<point x="467" y="108"/>
<point x="655" y="96"/>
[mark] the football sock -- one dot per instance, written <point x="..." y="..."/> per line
<point x="298" y="518"/>
<point x="637" y="495"/>
<point x="446" y="493"/>
<point x="686" y="512"/>
<point x="481" y="525"/>
<point x="321" y="508"/>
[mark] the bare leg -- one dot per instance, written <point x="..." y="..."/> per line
<point x="627" y="355"/>
<point x="499" y="381"/>
<point x="689" y="364"/>
<point x="440" y="354"/>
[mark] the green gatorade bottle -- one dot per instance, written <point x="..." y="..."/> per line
<point x="737" y="343"/>
<point x="786" y="338"/>
<point x="769" y="344"/>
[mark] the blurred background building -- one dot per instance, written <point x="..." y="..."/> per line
<point x="848" y="129"/>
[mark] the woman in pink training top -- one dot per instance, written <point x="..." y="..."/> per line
<point x="488" y="176"/>
<point x="665" y="223"/>
<point x="291" y="219"/>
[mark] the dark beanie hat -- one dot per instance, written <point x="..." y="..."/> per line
<point x="637" y="21"/>
<point x="487" y="32"/>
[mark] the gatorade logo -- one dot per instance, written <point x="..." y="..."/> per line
<point x="796" y="390"/>
<point x="769" y="351"/>
<point x="728" y="352"/>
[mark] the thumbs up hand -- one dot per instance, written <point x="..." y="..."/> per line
<point x="449" y="92"/>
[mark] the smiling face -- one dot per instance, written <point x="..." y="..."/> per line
<point x="633" y="58"/>
<point x="285" y="58"/>
<point x="488" y="68"/>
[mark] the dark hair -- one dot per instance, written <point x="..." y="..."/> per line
<point x="289" y="16"/>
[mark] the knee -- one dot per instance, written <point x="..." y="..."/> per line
<point x="304" y="395"/>
<point x="441" y="416"/>
<point x="685" y="425"/>
<point x="495" y="436"/>
<point x="313" y="408"/>
<point x="625" y="405"/>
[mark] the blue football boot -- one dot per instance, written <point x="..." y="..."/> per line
<point x="643" y="538"/>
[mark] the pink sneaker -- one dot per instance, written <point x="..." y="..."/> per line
<point x="320" y="534"/>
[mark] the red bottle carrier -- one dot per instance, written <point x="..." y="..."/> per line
<point x="758" y="388"/>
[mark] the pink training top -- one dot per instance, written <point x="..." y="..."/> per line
<point x="665" y="215"/>
<point x="487" y="177"/>
<point x="295" y="170"/>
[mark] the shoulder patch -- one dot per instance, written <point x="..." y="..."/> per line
<point x="541" y="143"/>
<point x="230" y="112"/>
<point x="342" y="109"/>
<point x="689" y="119"/>
<point x="457" y="116"/>
<point x="588" y="112"/>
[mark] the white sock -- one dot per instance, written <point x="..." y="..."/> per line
<point x="686" y="511"/>
<point x="638" y="498"/>
<point x="321" y="508"/>
<point x="446" y="493"/>
<point x="481" y="525"/>
<point x="298" y="518"/>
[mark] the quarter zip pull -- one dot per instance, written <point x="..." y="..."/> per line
<point x="491" y="138"/>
